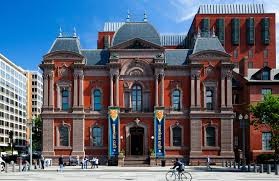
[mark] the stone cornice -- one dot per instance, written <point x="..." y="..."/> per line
<point x="197" y="114"/>
<point x="63" y="55"/>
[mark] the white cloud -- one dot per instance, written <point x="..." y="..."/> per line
<point x="186" y="9"/>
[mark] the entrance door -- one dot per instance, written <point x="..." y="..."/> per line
<point x="136" y="140"/>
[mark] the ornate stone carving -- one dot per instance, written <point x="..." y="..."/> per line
<point x="63" y="72"/>
<point x="174" y="84"/>
<point x="136" y="72"/>
<point x="195" y="73"/>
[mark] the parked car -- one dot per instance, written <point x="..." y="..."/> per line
<point x="2" y="165"/>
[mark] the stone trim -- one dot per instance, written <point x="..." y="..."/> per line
<point x="63" y="147"/>
<point x="170" y="148"/>
<point x="171" y="135"/>
<point x="102" y="135"/>
<point x="58" y="135"/>
<point x="211" y="148"/>
<point x="213" y="85"/>
<point x="215" y="126"/>
<point x="60" y="85"/>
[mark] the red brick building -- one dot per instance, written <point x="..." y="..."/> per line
<point x="142" y="93"/>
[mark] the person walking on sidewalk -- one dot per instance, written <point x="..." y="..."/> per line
<point x="42" y="162"/>
<point x="208" y="163"/>
<point x="61" y="163"/>
<point x="96" y="162"/>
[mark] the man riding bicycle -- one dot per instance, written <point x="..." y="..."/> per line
<point x="179" y="165"/>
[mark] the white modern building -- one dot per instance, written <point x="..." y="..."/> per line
<point x="13" y="99"/>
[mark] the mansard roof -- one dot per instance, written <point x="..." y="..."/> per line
<point x="254" y="75"/>
<point x="96" y="57"/>
<point x="177" y="56"/>
<point x="208" y="43"/>
<point x="131" y="30"/>
<point x="71" y="44"/>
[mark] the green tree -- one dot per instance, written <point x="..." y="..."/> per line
<point x="37" y="134"/>
<point x="267" y="113"/>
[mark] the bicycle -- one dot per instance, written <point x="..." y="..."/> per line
<point x="173" y="175"/>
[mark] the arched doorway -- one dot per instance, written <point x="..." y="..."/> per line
<point x="137" y="135"/>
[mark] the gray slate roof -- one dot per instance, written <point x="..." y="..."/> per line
<point x="231" y="9"/>
<point x="208" y="43"/>
<point x="71" y="44"/>
<point x="173" y="40"/>
<point x="177" y="56"/>
<point x="96" y="57"/>
<point x="131" y="30"/>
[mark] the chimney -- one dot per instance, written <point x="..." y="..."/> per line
<point x="243" y="66"/>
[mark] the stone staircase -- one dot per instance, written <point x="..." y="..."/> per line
<point x="136" y="161"/>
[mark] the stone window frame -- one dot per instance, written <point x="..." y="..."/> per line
<point x="59" y="87"/>
<point x="263" y="148"/>
<point x="92" y="97"/>
<point x="181" y="97"/>
<point x="205" y="145"/>
<point x="58" y="135"/>
<point x="171" y="135"/>
<point x="102" y="135"/>
<point x="213" y="85"/>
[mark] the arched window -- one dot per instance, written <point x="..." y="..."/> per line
<point x="97" y="100"/>
<point x="209" y="99"/>
<point x="176" y="100"/>
<point x="176" y="136"/>
<point x="210" y="136"/>
<point x="64" y="135"/>
<point x="65" y="99"/>
<point x="97" y="136"/>
<point x="136" y="98"/>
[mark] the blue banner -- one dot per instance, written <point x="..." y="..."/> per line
<point x="159" y="130"/>
<point x="113" y="119"/>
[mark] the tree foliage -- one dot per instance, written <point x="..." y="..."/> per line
<point x="37" y="134"/>
<point x="267" y="113"/>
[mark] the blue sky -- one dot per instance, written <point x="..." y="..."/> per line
<point x="28" y="27"/>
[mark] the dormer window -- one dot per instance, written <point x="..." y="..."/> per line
<point x="265" y="75"/>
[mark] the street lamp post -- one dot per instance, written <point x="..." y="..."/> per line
<point x="30" y="125"/>
<point x="243" y="125"/>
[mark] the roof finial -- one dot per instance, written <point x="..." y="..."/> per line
<point x="144" y="16"/>
<point x="199" y="32"/>
<point x="213" y="31"/>
<point x="60" y="32"/>
<point x="128" y="16"/>
<point x="75" y="32"/>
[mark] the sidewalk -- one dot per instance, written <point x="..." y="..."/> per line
<point x="134" y="169"/>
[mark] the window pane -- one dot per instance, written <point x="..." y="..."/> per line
<point x="97" y="136"/>
<point x="266" y="137"/>
<point x="176" y="136"/>
<point x="64" y="136"/>
<point x="210" y="136"/>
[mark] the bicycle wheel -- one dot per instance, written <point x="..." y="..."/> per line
<point x="170" y="176"/>
<point x="186" y="176"/>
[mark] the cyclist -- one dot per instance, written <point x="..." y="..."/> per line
<point x="179" y="165"/>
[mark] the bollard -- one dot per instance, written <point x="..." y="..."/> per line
<point x="268" y="169"/>
<point x="255" y="168"/>
<point x="226" y="163"/>
<point x="276" y="169"/>
<point x="20" y="164"/>
<point x="249" y="167"/>
<point x="261" y="168"/>
<point x="223" y="163"/>
<point x="13" y="166"/>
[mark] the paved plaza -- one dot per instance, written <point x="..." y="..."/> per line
<point x="132" y="173"/>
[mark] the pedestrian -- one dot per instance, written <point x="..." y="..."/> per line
<point x="96" y="162"/>
<point x="85" y="162"/>
<point x="61" y="164"/>
<point x="208" y="163"/>
<point x="42" y="162"/>
<point x="25" y="165"/>
<point x="82" y="163"/>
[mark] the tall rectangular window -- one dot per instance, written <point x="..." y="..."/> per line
<point x="265" y="31"/>
<point x="209" y="99"/>
<point x="220" y="30"/>
<point x="250" y="31"/>
<point x="235" y="24"/>
<point x="65" y="99"/>
<point x="266" y="137"/>
<point x="266" y="91"/>
<point x="205" y="27"/>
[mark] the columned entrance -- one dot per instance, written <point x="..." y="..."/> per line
<point x="136" y="139"/>
<point x="137" y="134"/>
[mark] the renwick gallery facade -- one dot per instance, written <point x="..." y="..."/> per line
<point x="142" y="93"/>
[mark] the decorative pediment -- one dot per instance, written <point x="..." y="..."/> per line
<point x="137" y="43"/>
<point x="210" y="55"/>
<point x="63" y="71"/>
<point x="63" y="55"/>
